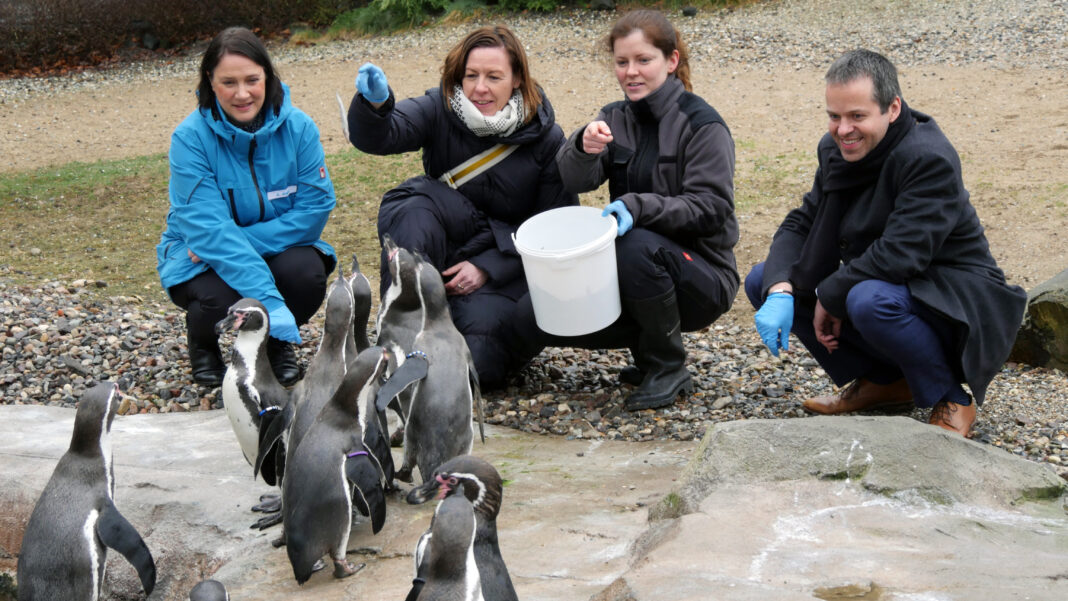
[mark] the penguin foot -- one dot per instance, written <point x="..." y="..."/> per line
<point x="269" y="503"/>
<point x="343" y="568"/>
<point x="404" y="474"/>
<point x="267" y="521"/>
<point x="281" y="542"/>
<point x="318" y="565"/>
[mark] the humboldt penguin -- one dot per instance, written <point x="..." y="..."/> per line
<point x="250" y="389"/>
<point x="253" y="398"/>
<point x="326" y="370"/>
<point x="361" y="294"/>
<point x="330" y="472"/>
<point x="209" y="590"/>
<point x="482" y="484"/>
<point x="443" y="380"/>
<point x="401" y="315"/>
<point x="452" y="573"/>
<point x="64" y="546"/>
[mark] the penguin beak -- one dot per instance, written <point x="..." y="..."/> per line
<point x="232" y="321"/>
<point x="431" y="489"/>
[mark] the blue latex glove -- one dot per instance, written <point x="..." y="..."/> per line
<point x="617" y="209"/>
<point x="773" y="321"/>
<point x="284" y="325"/>
<point x="371" y="83"/>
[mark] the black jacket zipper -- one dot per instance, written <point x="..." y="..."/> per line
<point x="255" y="182"/>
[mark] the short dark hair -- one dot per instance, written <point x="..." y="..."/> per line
<point x="497" y="36"/>
<point x="241" y="41"/>
<point x="865" y="63"/>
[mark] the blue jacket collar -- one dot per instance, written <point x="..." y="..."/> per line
<point x="222" y="126"/>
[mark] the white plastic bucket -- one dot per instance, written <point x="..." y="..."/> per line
<point x="569" y="256"/>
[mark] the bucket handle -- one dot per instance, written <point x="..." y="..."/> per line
<point x="559" y="260"/>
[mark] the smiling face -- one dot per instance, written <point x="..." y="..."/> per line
<point x="854" y="119"/>
<point x="488" y="79"/>
<point x="240" y="85"/>
<point x="641" y="67"/>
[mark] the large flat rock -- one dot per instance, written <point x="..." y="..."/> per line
<point x="873" y="508"/>
<point x="571" y="508"/>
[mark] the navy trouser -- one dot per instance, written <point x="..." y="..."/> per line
<point x="299" y="273"/>
<point x="886" y="335"/>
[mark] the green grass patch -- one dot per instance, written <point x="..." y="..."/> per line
<point x="102" y="220"/>
<point x="762" y="178"/>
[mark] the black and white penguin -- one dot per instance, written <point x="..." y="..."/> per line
<point x="361" y="294"/>
<point x="250" y="389"/>
<point x="209" y="590"/>
<point x="330" y="472"/>
<point x="480" y="482"/>
<point x="64" y="546"/>
<point x="253" y="398"/>
<point x="400" y="317"/>
<point x="327" y="367"/>
<point x="444" y="388"/>
<point x="452" y="573"/>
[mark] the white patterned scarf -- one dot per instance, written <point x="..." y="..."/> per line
<point x="503" y="124"/>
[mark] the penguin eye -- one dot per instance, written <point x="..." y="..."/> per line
<point x="453" y="480"/>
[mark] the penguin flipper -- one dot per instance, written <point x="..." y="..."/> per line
<point x="370" y="499"/>
<point x="273" y="423"/>
<point x="412" y="370"/>
<point x="476" y="399"/>
<point x="417" y="587"/>
<point x="377" y="442"/>
<point x="119" y="534"/>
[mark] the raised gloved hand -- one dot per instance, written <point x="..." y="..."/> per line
<point x="773" y="321"/>
<point x="624" y="220"/>
<point x="371" y="83"/>
<point x="284" y="325"/>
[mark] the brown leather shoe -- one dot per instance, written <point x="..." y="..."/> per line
<point x="864" y="395"/>
<point x="953" y="417"/>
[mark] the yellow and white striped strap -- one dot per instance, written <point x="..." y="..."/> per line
<point x="477" y="165"/>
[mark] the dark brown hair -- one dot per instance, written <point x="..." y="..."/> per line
<point x="238" y="40"/>
<point x="498" y="36"/>
<point x="659" y="32"/>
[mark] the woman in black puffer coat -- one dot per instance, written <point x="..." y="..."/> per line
<point x="487" y="102"/>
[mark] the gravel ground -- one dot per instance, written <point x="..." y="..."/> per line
<point x="57" y="338"/>
<point x="797" y="33"/>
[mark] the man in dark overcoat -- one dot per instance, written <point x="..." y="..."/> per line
<point x="884" y="272"/>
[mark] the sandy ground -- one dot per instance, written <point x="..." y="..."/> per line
<point x="1010" y="127"/>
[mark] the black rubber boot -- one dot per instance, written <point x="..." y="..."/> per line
<point x="283" y="361"/>
<point x="526" y="339"/>
<point x="659" y="352"/>
<point x="631" y="374"/>
<point x="205" y="359"/>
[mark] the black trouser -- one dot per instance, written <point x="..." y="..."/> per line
<point x="648" y="266"/>
<point x="299" y="273"/>
<point x="418" y="223"/>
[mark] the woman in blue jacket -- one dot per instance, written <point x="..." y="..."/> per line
<point x="458" y="216"/>
<point x="249" y="197"/>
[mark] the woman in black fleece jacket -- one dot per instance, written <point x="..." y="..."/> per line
<point x="669" y="161"/>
